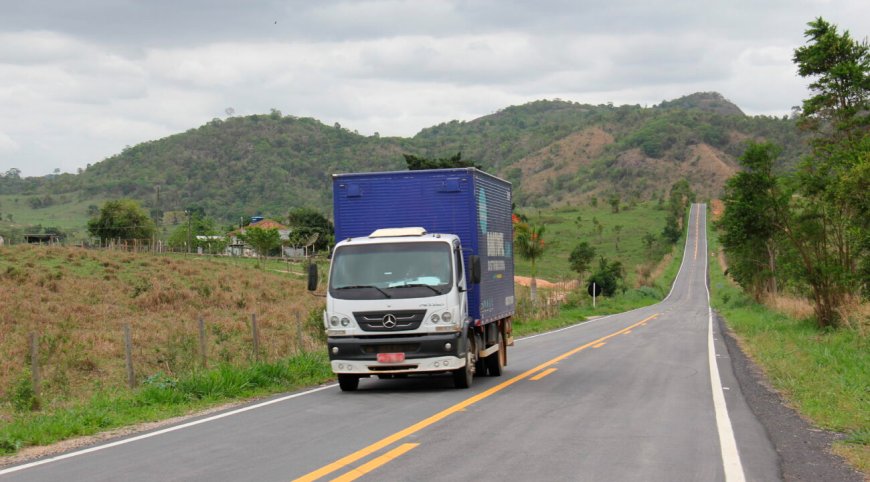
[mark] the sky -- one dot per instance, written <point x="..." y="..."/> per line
<point x="82" y="79"/>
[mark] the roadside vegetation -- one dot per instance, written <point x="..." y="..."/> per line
<point x="796" y="252"/>
<point x="824" y="374"/>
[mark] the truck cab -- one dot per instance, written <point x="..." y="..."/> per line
<point x="397" y="304"/>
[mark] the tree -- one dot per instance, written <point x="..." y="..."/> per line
<point x="529" y="244"/>
<point x="649" y="240"/>
<point x="749" y="224"/>
<point x="417" y="163"/>
<point x="581" y="257"/>
<point x="121" y="219"/>
<point x="829" y="218"/>
<point x="616" y="232"/>
<point x="305" y="223"/>
<point x="614" y="203"/>
<point x="199" y="226"/>
<point x="262" y="240"/>
<point x="680" y="198"/>
<point x="609" y="276"/>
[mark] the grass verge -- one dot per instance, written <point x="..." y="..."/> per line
<point x="161" y="397"/>
<point x="825" y="375"/>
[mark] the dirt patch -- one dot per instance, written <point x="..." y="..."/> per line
<point x="717" y="207"/>
<point x="713" y="161"/>
<point x="564" y="157"/>
<point x="553" y="292"/>
<point x="705" y="167"/>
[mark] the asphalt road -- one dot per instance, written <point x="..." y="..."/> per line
<point x="625" y="397"/>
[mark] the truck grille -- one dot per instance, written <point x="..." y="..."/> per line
<point x="389" y="320"/>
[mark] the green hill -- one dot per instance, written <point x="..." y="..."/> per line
<point x="555" y="152"/>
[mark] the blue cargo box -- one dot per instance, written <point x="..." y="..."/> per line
<point x="469" y="203"/>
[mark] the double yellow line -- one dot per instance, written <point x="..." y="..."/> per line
<point x="387" y="441"/>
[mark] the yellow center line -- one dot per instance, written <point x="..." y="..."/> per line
<point x="599" y="345"/>
<point x="391" y="439"/>
<point x="542" y="374"/>
<point x="627" y="332"/>
<point x="374" y="464"/>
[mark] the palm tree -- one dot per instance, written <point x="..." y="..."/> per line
<point x="529" y="244"/>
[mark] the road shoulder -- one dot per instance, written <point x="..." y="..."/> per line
<point x="804" y="450"/>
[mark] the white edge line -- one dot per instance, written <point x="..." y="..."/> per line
<point x="728" y="444"/>
<point x="159" y="432"/>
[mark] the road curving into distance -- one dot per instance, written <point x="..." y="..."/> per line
<point x="643" y="395"/>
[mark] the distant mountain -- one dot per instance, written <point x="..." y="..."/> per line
<point x="555" y="152"/>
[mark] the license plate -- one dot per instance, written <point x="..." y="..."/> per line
<point x="391" y="357"/>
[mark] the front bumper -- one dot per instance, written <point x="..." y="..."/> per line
<point x="428" y="353"/>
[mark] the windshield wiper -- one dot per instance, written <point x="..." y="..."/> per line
<point x="365" y="286"/>
<point x="416" y="285"/>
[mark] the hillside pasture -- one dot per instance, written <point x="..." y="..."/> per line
<point x="77" y="302"/>
<point x="564" y="232"/>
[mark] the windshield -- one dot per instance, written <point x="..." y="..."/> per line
<point x="395" y="270"/>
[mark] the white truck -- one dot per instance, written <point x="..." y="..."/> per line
<point x="421" y="280"/>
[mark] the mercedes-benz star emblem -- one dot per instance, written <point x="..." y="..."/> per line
<point x="389" y="321"/>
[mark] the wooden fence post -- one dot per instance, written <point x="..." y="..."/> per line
<point x="128" y="348"/>
<point x="299" y="347"/>
<point x="202" y="347"/>
<point x="34" y="363"/>
<point x="255" y="334"/>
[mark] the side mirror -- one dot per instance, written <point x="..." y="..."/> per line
<point x="312" y="277"/>
<point x="475" y="269"/>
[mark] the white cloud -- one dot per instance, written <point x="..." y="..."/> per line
<point x="7" y="144"/>
<point x="81" y="83"/>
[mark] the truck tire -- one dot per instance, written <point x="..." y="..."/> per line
<point x="496" y="362"/>
<point x="348" y="383"/>
<point x="479" y="363"/>
<point x="462" y="377"/>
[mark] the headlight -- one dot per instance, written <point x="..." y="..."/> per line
<point x="446" y="316"/>
<point x="333" y="321"/>
<point x="434" y="318"/>
<point x="345" y="322"/>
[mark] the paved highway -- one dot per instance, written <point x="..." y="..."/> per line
<point x="644" y="395"/>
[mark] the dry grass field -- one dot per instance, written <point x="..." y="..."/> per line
<point x="78" y="301"/>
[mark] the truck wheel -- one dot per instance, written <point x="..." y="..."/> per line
<point x="496" y="362"/>
<point x="348" y="383"/>
<point x="462" y="378"/>
<point x="479" y="363"/>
